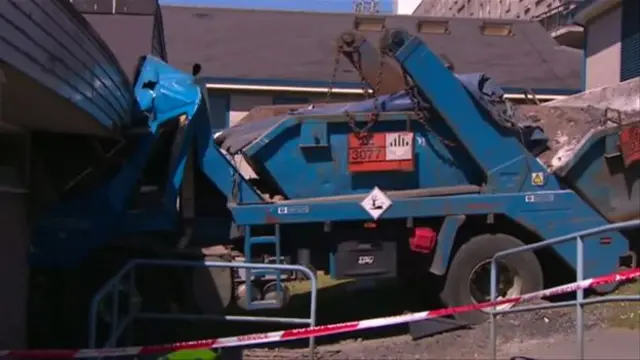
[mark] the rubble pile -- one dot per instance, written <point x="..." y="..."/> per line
<point x="567" y="126"/>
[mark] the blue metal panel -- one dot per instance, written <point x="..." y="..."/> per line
<point x="597" y="172"/>
<point x="326" y="169"/>
<point x="499" y="152"/>
<point x="50" y="42"/>
<point x="630" y="57"/>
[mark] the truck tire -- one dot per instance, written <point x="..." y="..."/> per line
<point x="473" y="260"/>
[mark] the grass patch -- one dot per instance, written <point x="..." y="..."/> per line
<point x="337" y="301"/>
<point x="324" y="281"/>
<point x="620" y="314"/>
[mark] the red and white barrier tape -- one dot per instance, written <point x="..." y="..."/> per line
<point x="323" y="330"/>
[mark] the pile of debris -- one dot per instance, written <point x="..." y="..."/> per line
<point x="567" y="126"/>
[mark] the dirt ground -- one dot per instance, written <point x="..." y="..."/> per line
<point x="611" y="331"/>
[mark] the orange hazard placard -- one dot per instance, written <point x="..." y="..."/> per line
<point x="381" y="152"/>
<point x="630" y="144"/>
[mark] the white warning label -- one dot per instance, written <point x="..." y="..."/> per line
<point x="399" y="146"/>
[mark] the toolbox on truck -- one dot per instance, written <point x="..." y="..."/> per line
<point x="362" y="259"/>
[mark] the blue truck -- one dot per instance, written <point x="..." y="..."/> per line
<point x="424" y="184"/>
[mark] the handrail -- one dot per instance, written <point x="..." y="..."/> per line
<point x="113" y="286"/>
<point x="579" y="303"/>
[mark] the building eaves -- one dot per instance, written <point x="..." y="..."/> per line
<point x="591" y="9"/>
<point x="130" y="7"/>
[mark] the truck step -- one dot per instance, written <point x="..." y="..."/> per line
<point x="254" y="240"/>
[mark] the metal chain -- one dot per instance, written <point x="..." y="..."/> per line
<point x="419" y="109"/>
<point x="334" y="72"/>
<point x="363" y="133"/>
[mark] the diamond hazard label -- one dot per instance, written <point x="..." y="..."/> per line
<point x="391" y="151"/>
<point x="376" y="203"/>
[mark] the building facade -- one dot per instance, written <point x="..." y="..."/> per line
<point x="505" y="9"/>
<point x="554" y="15"/>
<point x="612" y="41"/>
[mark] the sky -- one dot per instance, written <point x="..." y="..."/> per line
<point x="386" y="6"/>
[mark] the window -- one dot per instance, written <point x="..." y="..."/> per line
<point x="289" y="100"/>
<point x="497" y="29"/>
<point x="218" y="104"/>
<point x="369" y="23"/>
<point x="433" y="27"/>
<point x="630" y="41"/>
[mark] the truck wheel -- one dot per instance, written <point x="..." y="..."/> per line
<point x="468" y="279"/>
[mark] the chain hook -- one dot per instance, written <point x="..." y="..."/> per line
<point x="362" y="133"/>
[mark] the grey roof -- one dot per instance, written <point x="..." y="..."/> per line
<point x="252" y="44"/>
<point x="125" y="25"/>
<point x="128" y="36"/>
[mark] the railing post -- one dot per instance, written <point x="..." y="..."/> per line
<point x="113" y="287"/>
<point x="579" y="302"/>
<point x="580" y="297"/>
<point x="132" y="303"/>
<point x="115" y="298"/>
<point x="313" y="308"/>
<point x="492" y="316"/>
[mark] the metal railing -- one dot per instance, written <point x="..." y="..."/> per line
<point x="119" y="324"/>
<point x="580" y="301"/>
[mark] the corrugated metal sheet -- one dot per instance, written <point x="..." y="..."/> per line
<point x="630" y="60"/>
